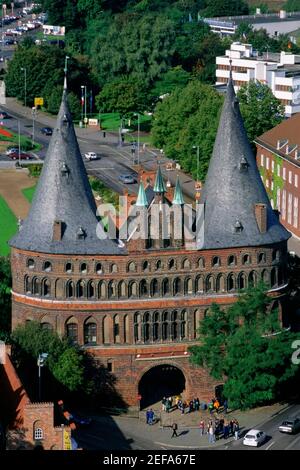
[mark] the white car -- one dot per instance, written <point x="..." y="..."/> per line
<point x="254" y="438"/>
<point x="91" y="156"/>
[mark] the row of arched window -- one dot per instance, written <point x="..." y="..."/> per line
<point x="165" y="326"/>
<point x="170" y="264"/>
<point x="166" y="287"/>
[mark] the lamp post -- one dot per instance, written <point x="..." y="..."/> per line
<point x="19" y="142"/>
<point x="138" y="139"/>
<point x="83" y="103"/>
<point x="198" y="153"/>
<point x="25" y="85"/>
<point x="41" y="362"/>
<point x="33" y="123"/>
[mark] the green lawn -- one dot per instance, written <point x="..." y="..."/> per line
<point x="29" y="192"/>
<point x="25" y="142"/>
<point x="8" y="227"/>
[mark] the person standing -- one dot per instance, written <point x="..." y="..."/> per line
<point x="236" y="430"/>
<point x="211" y="435"/>
<point x="174" y="427"/>
<point x="202" y="426"/>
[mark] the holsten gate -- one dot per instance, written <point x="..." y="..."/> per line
<point x="136" y="303"/>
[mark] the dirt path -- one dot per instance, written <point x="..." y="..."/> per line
<point x="11" y="184"/>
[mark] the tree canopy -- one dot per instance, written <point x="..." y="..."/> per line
<point x="246" y="345"/>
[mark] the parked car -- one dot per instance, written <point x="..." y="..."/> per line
<point x="290" y="425"/>
<point x="23" y="156"/>
<point x="254" y="438"/>
<point x="127" y="179"/>
<point x="91" y="156"/>
<point x="11" y="150"/>
<point x="47" y="130"/>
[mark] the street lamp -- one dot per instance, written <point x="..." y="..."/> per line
<point x="83" y="102"/>
<point x="19" y="142"/>
<point x="138" y="141"/>
<point x="25" y="84"/>
<point x="33" y="122"/>
<point x="41" y="362"/>
<point x="198" y="153"/>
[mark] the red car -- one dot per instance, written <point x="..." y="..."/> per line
<point x="23" y="156"/>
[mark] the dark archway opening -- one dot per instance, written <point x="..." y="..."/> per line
<point x="158" y="382"/>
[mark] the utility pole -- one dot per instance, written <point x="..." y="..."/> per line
<point x="33" y="123"/>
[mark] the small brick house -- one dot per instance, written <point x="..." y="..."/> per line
<point x="136" y="303"/>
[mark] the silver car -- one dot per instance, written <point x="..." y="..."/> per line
<point x="290" y="425"/>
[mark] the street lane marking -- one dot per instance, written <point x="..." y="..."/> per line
<point x="270" y="445"/>
<point x="293" y="443"/>
<point x="84" y="141"/>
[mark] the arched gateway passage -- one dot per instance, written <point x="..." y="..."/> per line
<point x="158" y="382"/>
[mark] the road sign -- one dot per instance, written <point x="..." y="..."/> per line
<point x="38" y="101"/>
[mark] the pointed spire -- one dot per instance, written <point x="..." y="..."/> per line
<point x="178" y="196"/>
<point x="159" y="185"/>
<point x="142" y="198"/>
<point x="233" y="187"/>
<point x="63" y="214"/>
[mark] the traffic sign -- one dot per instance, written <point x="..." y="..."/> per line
<point x="38" y="101"/>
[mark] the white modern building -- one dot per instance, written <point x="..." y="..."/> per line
<point x="280" y="71"/>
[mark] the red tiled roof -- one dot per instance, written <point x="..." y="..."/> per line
<point x="288" y="129"/>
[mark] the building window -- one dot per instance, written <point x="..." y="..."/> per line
<point x="99" y="269"/>
<point x="290" y="177"/>
<point x="38" y="434"/>
<point x="201" y="263"/>
<point x="132" y="267"/>
<point x="137" y="327"/>
<point x="171" y="264"/>
<point x="72" y="332"/>
<point x="284" y="173"/>
<point x="296" y="181"/>
<point x="231" y="260"/>
<point x="290" y="208"/>
<point x="295" y="212"/>
<point x="273" y="165"/>
<point x="46" y="326"/>
<point x="267" y="163"/>
<point x="114" y="268"/>
<point x="47" y="266"/>
<point x="46" y="288"/>
<point x="30" y="263"/>
<point x="90" y="333"/>
<point x="216" y="261"/>
<point x="283" y="209"/>
<point x="145" y="266"/>
<point x="278" y="170"/>
<point x="261" y="258"/>
<point x="116" y="329"/>
<point x="146" y="327"/>
<point x="158" y="265"/>
<point x="69" y="268"/>
<point x="83" y="268"/>
<point x="165" y="287"/>
<point x="262" y="158"/>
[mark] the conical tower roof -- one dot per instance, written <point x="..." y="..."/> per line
<point x="233" y="187"/>
<point x="159" y="185"/>
<point x="63" y="197"/>
<point x="178" y="196"/>
<point x="142" y="198"/>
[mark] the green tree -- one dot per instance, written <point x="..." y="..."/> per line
<point x="69" y="369"/>
<point x="225" y="8"/>
<point x="260" y="109"/>
<point x="188" y="117"/>
<point x="292" y="5"/>
<point x="173" y="78"/>
<point x="246" y="344"/>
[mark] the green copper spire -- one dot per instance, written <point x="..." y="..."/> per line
<point x="141" y="199"/>
<point x="159" y="185"/>
<point x="178" y="196"/>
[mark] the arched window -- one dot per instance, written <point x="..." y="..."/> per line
<point x="210" y="284"/>
<point x="145" y="266"/>
<point x="146" y="327"/>
<point x="261" y="258"/>
<point x="70" y="289"/>
<point x="143" y="288"/>
<point x="72" y="331"/>
<point x="36" y="286"/>
<point x="177" y="286"/>
<point x="230" y="282"/>
<point x="158" y="265"/>
<point x="276" y="255"/>
<point x="186" y="264"/>
<point x="30" y="263"/>
<point x="242" y="281"/>
<point x="38" y="433"/>
<point x="252" y="280"/>
<point x="155" y="322"/>
<point x="101" y="290"/>
<point x="69" y="268"/>
<point x="188" y="288"/>
<point x="137" y="327"/>
<point x="231" y="260"/>
<point x="47" y="266"/>
<point x="132" y="289"/>
<point x="197" y="322"/>
<point x="274" y="282"/>
<point x="199" y="285"/>
<point x="114" y="268"/>
<point x="117" y="338"/>
<point x="80" y="289"/>
<point x="165" y="326"/>
<point x="90" y="331"/>
<point x="111" y="289"/>
<point x="122" y="289"/>
<point x="99" y="268"/>
<point x="171" y="264"/>
<point x="216" y="262"/>
<point x="46" y="326"/>
<point x="174" y="331"/>
<point x="183" y="332"/>
<point x="246" y="259"/>
<point x="83" y="268"/>
<point x="91" y="290"/>
<point x="126" y="329"/>
<point x="220" y="284"/>
<point x="154" y="288"/>
<point x="105" y="330"/>
<point x="131" y="267"/>
<point x="46" y="288"/>
<point x="165" y="287"/>
<point x="265" y="276"/>
<point x="27" y="285"/>
<point x="201" y="263"/>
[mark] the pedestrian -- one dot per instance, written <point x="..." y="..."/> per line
<point x="226" y="430"/>
<point x="163" y="404"/>
<point x="151" y="416"/>
<point x="217" y="406"/>
<point x="236" y="430"/>
<point x="202" y="426"/>
<point x="174" y="427"/>
<point x="231" y="425"/>
<point x="147" y="416"/>
<point x="211" y="435"/>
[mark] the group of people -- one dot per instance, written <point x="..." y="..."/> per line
<point x="220" y="428"/>
<point x="168" y="404"/>
<point x="215" y="405"/>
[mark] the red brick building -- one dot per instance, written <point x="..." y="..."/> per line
<point x="278" y="158"/>
<point x="136" y="302"/>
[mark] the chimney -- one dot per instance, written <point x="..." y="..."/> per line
<point x="57" y="230"/>
<point x="261" y="217"/>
